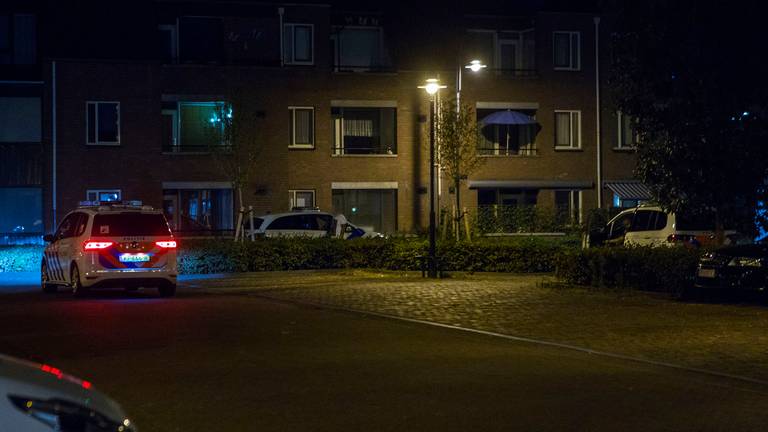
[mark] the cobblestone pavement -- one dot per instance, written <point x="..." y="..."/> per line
<point x="727" y="338"/>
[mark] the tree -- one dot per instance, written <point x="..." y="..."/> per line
<point x="235" y="137"/>
<point x="688" y="75"/>
<point x="457" y="137"/>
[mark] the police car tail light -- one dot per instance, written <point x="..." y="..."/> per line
<point x="168" y="244"/>
<point x="95" y="245"/>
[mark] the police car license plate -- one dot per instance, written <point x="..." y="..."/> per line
<point x="134" y="257"/>
<point x="706" y="273"/>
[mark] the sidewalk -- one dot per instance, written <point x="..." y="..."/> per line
<point x="727" y="338"/>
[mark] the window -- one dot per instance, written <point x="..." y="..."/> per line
<point x="359" y="49"/>
<point x="649" y="220"/>
<point x="303" y="222"/>
<point x="364" y="131"/>
<point x="130" y="224"/>
<point x="627" y="138"/>
<point x="507" y="140"/>
<point x="369" y="209"/>
<point x="302" y="127"/>
<point x="199" y="211"/>
<point x="201" y="39"/>
<point x="21" y="220"/>
<point x="300" y="199"/>
<point x="567" y="130"/>
<point x="567" y="52"/>
<point x="298" y="46"/>
<point x="103" y="123"/>
<point x="508" y="52"/>
<point x="168" y="42"/>
<point x="18" y="39"/>
<point x="103" y="195"/>
<point x="20" y="119"/>
<point x="190" y="127"/>
<point x="568" y="206"/>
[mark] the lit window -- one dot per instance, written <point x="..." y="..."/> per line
<point x="103" y="195"/>
<point x="302" y="127"/>
<point x="300" y="199"/>
<point x="103" y="123"/>
<point x="567" y="52"/>
<point x="364" y="130"/>
<point x="297" y="44"/>
<point x="567" y="130"/>
<point x="193" y="126"/>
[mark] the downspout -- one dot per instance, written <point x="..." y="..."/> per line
<point x="53" y="140"/>
<point x="280" y="12"/>
<point x="597" y="115"/>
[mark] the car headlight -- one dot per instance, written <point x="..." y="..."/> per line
<point x="745" y="262"/>
<point x="62" y="415"/>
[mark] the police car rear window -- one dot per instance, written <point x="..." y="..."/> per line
<point x="130" y="224"/>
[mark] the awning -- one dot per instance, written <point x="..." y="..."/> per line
<point x="530" y="184"/>
<point x="629" y="189"/>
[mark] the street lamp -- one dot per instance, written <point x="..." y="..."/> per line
<point x="474" y="66"/>
<point x="432" y="86"/>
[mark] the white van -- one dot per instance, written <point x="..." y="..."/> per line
<point x="651" y="226"/>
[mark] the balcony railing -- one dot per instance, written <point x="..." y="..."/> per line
<point x="195" y="149"/>
<point x="503" y="151"/>
<point x="378" y="150"/>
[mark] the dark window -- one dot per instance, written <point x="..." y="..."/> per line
<point x="67" y="227"/>
<point x="295" y="222"/>
<point x="643" y="221"/>
<point x="22" y="213"/>
<point x="129" y="224"/>
<point x="200" y="39"/>
<point x="80" y="224"/>
<point x="360" y="49"/>
<point x="18" y="39"/>
<point x="20" y="119"/>
<point x="103" y="123"/>
<point x="661" y="220"/>
<point x="297" y="44"/>
<point x="567" y="50"/>
<point x="621" y="225"/>
<point x="364" y="130"/>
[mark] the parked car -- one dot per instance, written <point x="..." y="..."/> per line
<point x="741" y="267"/>
<point x="110" y="245"/>
<point x="309" y="223"/>
<point x="39" y="398"/>
<point x="652" y="226"/>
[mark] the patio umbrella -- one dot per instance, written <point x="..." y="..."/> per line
<point x="506" y="118"/>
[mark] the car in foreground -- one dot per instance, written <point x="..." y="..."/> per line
<point x="650" y="225"/>
<point x="309" y="223"/>
<point x="741" y="267"/>
<point x="41" y="398"/>
<point x="103" y="245"/>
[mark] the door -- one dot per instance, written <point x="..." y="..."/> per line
<point x="170" y="209"/>
<point x="63" y="245"/>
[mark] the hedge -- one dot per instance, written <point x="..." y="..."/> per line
<point x="20" y="258"/>
<point x="664" y="269"/>
<point x="221" y="256"/>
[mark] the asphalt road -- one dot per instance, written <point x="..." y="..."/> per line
<point x="213" y="361"/>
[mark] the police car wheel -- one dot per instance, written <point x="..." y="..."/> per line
<point x="47" y="286"/>
<point x="77" y="287"/>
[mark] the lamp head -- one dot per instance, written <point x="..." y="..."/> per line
<point x="475" y="65"/>
<point x="432" y="86"/>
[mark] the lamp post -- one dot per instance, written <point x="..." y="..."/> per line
<point x="432" y="86"/>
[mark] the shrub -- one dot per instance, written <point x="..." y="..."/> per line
<point x="665" y="269"/>
<point x="498" y="255"/>
<point x="20" y="258"/>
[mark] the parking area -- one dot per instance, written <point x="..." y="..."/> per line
<point x="722" y="335"/>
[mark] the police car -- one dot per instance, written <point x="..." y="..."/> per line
<point x="41" y="398"/>
<point x="110" y="244"/>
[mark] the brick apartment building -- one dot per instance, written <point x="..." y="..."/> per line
<point x="115" y="101"/>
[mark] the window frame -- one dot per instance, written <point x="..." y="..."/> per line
<point x="620" y="145"/>
<point x="173" y="29"/>
<point x="292" y="60"/>
<point x="98" y="192"/>
<point x="575" y="196"/>
<point x="292" y="197"/>
<point x="96" y="127"/>
<point x="338" y="46"/>
<point x="574" y="62"/>
<point x="293" y="144"/>
<point x="570" y="132"/>
<point x="338" y="145"/>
